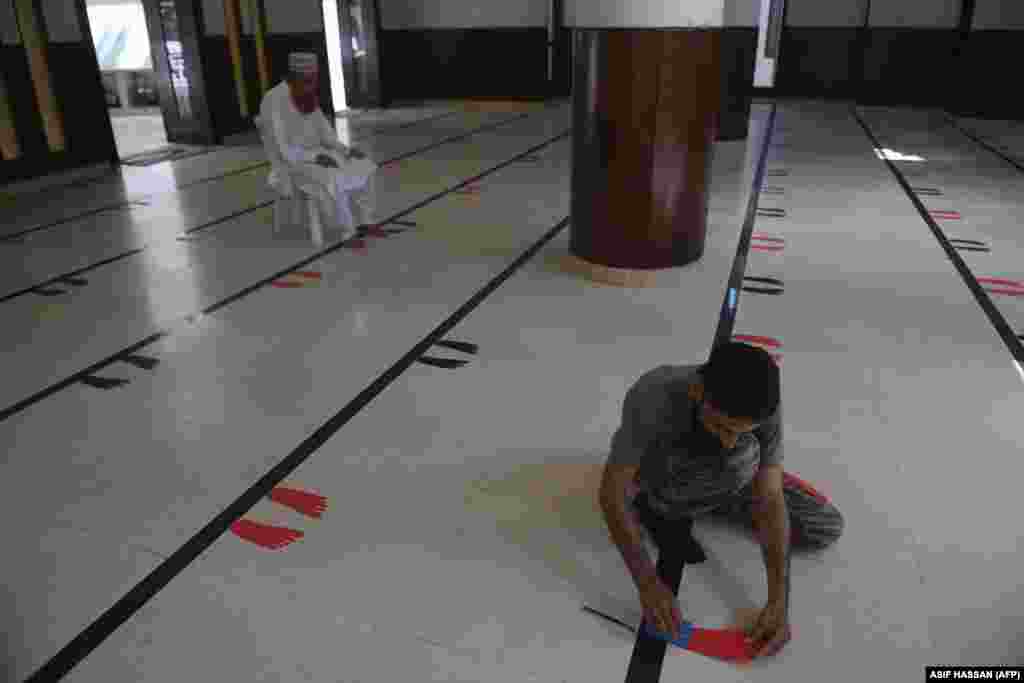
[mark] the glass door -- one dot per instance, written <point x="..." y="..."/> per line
<point x="174" y="41"/>
<point x="359" y="52"/>
<point x="769" y="35"/>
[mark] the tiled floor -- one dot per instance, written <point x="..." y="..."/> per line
<point x="462" y="533"/>
<point x="137" y="131"/>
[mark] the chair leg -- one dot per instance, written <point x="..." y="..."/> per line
<point x="278" y="215"/>
<point x="315" y="226"/>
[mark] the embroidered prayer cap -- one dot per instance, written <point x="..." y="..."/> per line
<point x="304" y="63"/>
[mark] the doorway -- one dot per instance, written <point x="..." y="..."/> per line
<point x="769" y="35"/>
<point x="351" y="28"/>
<point x="332" y="32"/>
<point x="148" y="52"/>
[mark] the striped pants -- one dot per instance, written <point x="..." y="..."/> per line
<point x="814" y="521"/>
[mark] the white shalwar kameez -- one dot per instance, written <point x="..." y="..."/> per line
<point x="298" y="139"/>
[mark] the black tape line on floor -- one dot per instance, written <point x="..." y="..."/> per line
<point x="99" y="630"/>
<point x="139" y="361"/>
<point x="186" y="236"/>
<point x="768" y="280"/>
<point x="762" y="290"/>
<point x="103" y="382"/>
<point x="63" y="384"/>
<point x="1002" y="327"/>
<point x="990" y="147"/>
<point x="119" y="206"/>
<point x="194" y="183"/>
<point x="465" y="347"/>
<point x="648" y="657"/>
<point x="447" y="363"/>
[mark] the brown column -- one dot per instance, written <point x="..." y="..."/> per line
<point x="645" y="116"/>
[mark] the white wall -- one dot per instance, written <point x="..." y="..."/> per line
<point x="830" y="14"/>
<point x="8" y="24"/>
<point x="413" y="14"/>
<point x="916" y="13"/>
<point x="294" y="16"/>
<point x="62" y="25"/>
<point x="643" y="13"/>
<point x="998" y="14"/>
<point x="742" y="12"/>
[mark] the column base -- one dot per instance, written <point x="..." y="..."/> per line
<point x="606" y="275"/>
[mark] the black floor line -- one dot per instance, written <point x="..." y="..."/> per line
<point x="201" y="181"/>
<point x="250" y="209"/>
<point x="113" y="206"/>
<point x="371" y="134"/>
<point x="1000" y="324"/>
<point x="647" y="660"/>
<point x="16" y="408"/>
<point x="998" y="152"/>
<point x="87" y="641"/>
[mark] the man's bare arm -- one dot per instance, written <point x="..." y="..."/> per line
<point x="623" y="526"/>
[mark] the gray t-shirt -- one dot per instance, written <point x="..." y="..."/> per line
<point x="657" y="434"/>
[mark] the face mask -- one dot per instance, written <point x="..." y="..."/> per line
<point x="307" y="103"/>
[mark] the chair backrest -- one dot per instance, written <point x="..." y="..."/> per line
<point x="267" y="138"/>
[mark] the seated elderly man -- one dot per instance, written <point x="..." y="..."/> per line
<point x="310" y="156"/>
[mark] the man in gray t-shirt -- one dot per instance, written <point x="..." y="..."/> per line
<point x="682" y="471"/>
<point x="707" y="439"/>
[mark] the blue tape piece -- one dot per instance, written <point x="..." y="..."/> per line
<point x="685" y="631"/>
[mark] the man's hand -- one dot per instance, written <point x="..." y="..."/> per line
<point x="770" y="632"/>
<point x="326" y="161"/>
<point x="660" y="608"/>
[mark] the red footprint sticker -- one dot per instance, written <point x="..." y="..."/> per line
<point x="727" y="644"/>
<point x="1016" y="288"/>
<point x="265" y="535"/>
<point x="355" y="243"/>
<point x="778" y="244"/>
<point x="794" y="482"/>
<point x="309" y="274"/>
<point x="286" y="284"/>
<point x="946" y="215"/>
<point x="468" y="189"/>
<point x="304" y="502"/>
<point x="762" y="342"/>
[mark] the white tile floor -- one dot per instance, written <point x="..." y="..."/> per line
<point x="462" y="532"/>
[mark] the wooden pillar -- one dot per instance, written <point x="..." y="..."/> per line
<point x="645" y="117"/>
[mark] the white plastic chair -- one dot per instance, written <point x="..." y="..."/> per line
<point x="289" y="198"/>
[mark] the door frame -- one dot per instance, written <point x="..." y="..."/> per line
<point x="83" y="20"/>
<point x="362" y="81"/>
<point x="200" y="129"/>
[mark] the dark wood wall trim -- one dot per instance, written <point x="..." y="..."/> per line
<point x="987" y="59"/>
<point x="466" y="63"/>
<point x="222" y="95"/>
<point x="89" y="139"/>
<point x="739" y="56"/>
<point x="908" y="66"/>
<point x="817" y="62"/>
